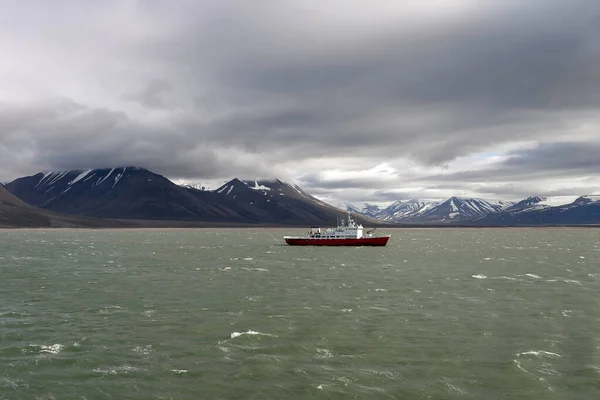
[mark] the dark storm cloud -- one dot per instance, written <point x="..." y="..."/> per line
<point x="571" y="156"/>
<point x="558" y="159"/>
<point x="214" y="89"/>
<point x="75" y="137"/>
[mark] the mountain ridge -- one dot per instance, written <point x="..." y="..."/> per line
<point x="135" y="193"/>
<point x="532" y="211"/>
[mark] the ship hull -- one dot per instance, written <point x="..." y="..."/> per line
<point x="370" y="241"/>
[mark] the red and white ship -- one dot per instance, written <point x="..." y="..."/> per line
<point x="345" y="234"/>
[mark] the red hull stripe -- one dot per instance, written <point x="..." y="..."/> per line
<point x="375" y="241"/>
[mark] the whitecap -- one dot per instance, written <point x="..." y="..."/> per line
<point x="179" y="371"/>
<point x="109" y="309"/>
<point x="539" y="353"/>
<point x="510" y="278"/>
<point x="573" y="281"/>
<point x="143" y="350"/>
<point x="387" y="374"/>
<point x="51" y="349"/>
<point x="533" y="276"/>
<point x="122" y="369"/>
<point x="249" y="332"/>
<point x="479" y="276"/>
<point x="454" y="389"/>
<point x="519" y="366"/>
<point x="324" y="353"/>
<point x="379" y="308"/>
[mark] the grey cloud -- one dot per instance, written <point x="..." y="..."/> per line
<point x="556" y="159"/>
<point x="66" y="135"/>
<point x="562" y="156"/>
<point x="153" y="95"/>
<point x="216" y="89"/>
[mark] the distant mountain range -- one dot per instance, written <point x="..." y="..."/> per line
<point x="423" y="211"/>
<point x="52" y="198"/>
<point x="133" y="193"/>
<point x="479" y="212"/>
<point x="536" y="211"/>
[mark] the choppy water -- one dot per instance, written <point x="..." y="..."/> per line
<point x="235" y="314"/>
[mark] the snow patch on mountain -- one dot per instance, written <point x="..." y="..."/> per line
<point x="592" y="198"/>
<point x="80" y="176"/>
<point x="557" y="201"/>
<point x="63" y="181"/>
<point x="398" y="211"/>
<point x="403" y="210"/>
<point x="369" y="210"/>
<point x="205" y="185"/>
<point x="102" y="179"/>
<point x="258" y="187"/>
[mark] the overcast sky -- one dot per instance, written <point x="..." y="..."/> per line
<point x="354" y="101"/>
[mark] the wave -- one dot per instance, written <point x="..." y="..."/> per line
<point x="249" y="332"/>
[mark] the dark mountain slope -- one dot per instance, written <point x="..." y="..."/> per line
<point x="124" y="193"/>
<point x="15" y="213"/>
<point x="280" y="202"/>
<point x="136" y="193"/>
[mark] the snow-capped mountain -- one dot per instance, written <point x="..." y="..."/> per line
<point x="398" y="211"/>
<point x="429" y="211"/>
<point x="533" y="202"/>
<point x="123" y="193"/>
<point x="587" y="199"/>
<point x="369" y="210"/>
<point x="461" y="209"/>
<point x="280" y="200"/>
<point x="551" y="211"/>
<point x="137" y="193"/>
<point x="405" y="210"/>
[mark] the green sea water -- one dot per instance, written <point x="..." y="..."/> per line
<point x="237" y="314"/>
